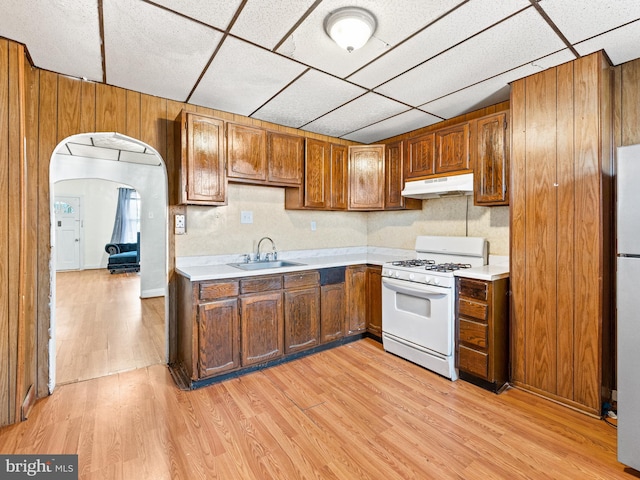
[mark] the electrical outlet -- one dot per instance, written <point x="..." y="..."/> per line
<point x="246" y="216"/>
<point x="180" y="228"/>
<point x="313" y="226"/>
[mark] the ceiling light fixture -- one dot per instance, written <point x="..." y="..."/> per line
<point x="350" y="27"/>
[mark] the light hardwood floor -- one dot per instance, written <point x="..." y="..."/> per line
<point x="352" y="412"/>
<point x="103" y="327"/>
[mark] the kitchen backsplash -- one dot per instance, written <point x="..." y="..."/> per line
<point x="218" y="230"/>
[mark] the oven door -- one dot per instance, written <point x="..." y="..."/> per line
<point x="418" y="313"/>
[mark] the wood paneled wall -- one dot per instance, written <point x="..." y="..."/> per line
<point x="627" y="103"/>
<point x="45" y="108"/>
<point x="17" y="266"/>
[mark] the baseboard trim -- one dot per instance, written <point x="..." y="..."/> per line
<point x="156" y="292"/>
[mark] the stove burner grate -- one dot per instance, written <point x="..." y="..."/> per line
<point x="416" y="262"/>
<point x="447" y="267"/>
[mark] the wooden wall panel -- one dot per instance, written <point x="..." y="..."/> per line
<point x="517" y="256"/>
<point x="69" y="92"/>
<point x="154" y="123"/>
<point x="88" y="112"/>
<point x="5" y="401"/>
<point x="588" y="236"/>
<point x="630" y="103"/>
<point x="540" y="237"/>
<point x="111" y="109"/>
<point x="565" y="251"/>
<point x="133" y="114"/>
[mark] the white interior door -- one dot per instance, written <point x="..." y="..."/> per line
<point x="67" y="210"/>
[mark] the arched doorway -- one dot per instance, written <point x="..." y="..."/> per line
<point x="124" y="160"/>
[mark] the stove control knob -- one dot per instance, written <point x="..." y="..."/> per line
<point x="397" y="274"/>
<point x="435" y="281"/>
<point x="411" y="276"/>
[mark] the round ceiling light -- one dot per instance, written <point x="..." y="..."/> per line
<point x="350" y="27"/>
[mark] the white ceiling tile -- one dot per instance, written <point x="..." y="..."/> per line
<point x="276" y="19"/>
<point x="311" y="45"/>
<point x="512" y="43"/>
<point x="59" y="38"/>
<point x="405" y="122"/>
<point x="493" y="90"/>
<point x="621" y="44"/>
<point x="460" y="24"/>
<point x="217" y="13"/>
<point x="140" y="158"/>
<point x="582" y="19"/>
<point x="309" y="97"/>
<point x="90" y="151"/>
<point x="162" y="56"/>
<point x="242" y="87"/>
<point x="365" y="110"/>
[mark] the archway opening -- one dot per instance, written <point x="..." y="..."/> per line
<point x="125" y="161"/>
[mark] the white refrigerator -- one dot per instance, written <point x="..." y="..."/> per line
<point x="628" y="304"/>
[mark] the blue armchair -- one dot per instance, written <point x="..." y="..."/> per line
<point x="123" y="257"/>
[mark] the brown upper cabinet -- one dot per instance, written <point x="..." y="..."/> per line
<point x="421" y="155"/>
<point x="338" y="174"/>
<point x="202" y="153"/>
<point x="394" y="172"/>
<point x="452" y="149"/>
<point x="491" y="169"/>
<point x="366" y="177"/>
<point x="246" y="153"/>
<point x="316" y="173"/>
<point x="285" y="158"/>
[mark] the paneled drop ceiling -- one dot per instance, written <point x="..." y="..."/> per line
<point x="271" y="60"/>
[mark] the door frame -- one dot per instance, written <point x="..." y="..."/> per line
<point x="162" y="198"/>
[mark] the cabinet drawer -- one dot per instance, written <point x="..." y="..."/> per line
<point x="474" y="362"/>
<point x="260" y="284"/>
<point x="301" y="279"/>
<point x="220" y="289"/>
<point x="473" y="332"/>
<point x="472" y="309"/>
<point x="474" y="289"/>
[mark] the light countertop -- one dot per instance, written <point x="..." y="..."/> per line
<point x="488" y="272"/>
<point x="311" y="261"/>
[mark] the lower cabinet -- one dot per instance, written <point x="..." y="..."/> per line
<point x="356" y="286"/>
<point x="482" y="332"/>
<point x="374" y="300"/>
<point x="226" y="325"/>
<point x="332" y="312"/>
<point x="218" y="337"/>
<point x="301" y="311"/>
<point x="262" y="327"/>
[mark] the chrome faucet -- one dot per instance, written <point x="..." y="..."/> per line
<point x="274" y="253"/>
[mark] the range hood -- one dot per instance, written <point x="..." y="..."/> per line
<point x="451" y="186"/>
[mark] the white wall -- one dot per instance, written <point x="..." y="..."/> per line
<point x="151" y="184"/>
<point x="443" y="216"/>
<point x="99" y="202"/>
<point x="218" y="231"/>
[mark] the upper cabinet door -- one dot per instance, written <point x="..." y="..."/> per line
<point x="452" y="149"/>
<point x="246" y="153"/>
<point x="285" y="157"/>
<point x="338" y="175"/>
<point x="492" y="160"/>
<point x="202" y="173"/>
<point x="421" y="156"/>
<point x="366" y="177"/>
<point x="316" y="175"/>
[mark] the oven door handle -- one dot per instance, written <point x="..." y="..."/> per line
<point x="402" y="287"/>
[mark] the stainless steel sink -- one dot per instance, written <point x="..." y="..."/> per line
<point x="264" y="265"/>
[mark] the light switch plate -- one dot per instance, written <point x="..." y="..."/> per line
<point x="246" y="216"/>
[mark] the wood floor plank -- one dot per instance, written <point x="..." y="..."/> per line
<point x="352" y="412"/>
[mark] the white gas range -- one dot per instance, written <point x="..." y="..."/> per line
<point x="418" y="300"/>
